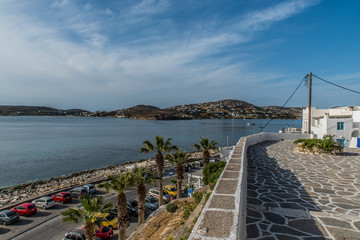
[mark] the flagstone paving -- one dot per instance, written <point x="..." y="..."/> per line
<point x="297" y="196"/>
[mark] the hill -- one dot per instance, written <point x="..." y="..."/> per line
<point x="227" y="109"/>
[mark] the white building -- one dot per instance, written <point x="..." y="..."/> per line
<point x="341" y="122"/>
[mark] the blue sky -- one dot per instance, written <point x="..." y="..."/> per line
<point x="105" y="55"/>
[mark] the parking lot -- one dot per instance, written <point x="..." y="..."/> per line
<point x="47" y="224"/>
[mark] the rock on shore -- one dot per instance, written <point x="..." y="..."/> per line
<point x="12" y="195"/>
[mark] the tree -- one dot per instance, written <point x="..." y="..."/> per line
<point x="178" y="159"/>
<point x="161" y="147"/>
<point x="139" y="177"/>
<point x="119" y="184"/>
<point x="89" y="208"/>
<point x="205" y="145"/>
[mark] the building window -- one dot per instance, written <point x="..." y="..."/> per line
<point x="340" y="126"/>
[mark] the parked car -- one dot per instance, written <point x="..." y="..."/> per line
<point x="25" y="209"/>
<point x="103" y="232"/>
<point x="151" y="203"/>
<point x="8" y="217"/>
<point x="131" y="208"/>
<point x="44" y="202"/>
<point x="170" y="190"/>
<point x="62" y="197"/>
<point x="78" y="192"/>
<point x="169" y="173"/>
<point x="155" y="193"/>
<point x="106" y="219"/>
<point x="77" y="234"/>
<point x="90" y="188"/>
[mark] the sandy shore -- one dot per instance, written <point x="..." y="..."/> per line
<point x="12" y="195"/>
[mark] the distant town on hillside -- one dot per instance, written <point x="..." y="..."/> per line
<point x="225" y="109"/>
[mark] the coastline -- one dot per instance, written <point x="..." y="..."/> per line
<point x="13" y="195"/>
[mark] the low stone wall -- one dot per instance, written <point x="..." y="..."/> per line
<point x="224" y="215"/>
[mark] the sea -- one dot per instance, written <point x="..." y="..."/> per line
<point x="37" y="148"/>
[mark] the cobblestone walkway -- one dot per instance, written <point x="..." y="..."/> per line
<point x="297" y="196"/>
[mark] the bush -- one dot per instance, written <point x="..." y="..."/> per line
<point x="326" y="143"/>
<point x="171" y="207"/>
<point x="198" y="197"/>
<point x="188" y="210"/>
<point x="213" y="171"/>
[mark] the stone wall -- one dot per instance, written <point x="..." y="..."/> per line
<point x="224" y="215"/>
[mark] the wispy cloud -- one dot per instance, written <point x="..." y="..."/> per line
<point x="82" y="51"/>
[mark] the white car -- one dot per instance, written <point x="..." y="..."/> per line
<point x="44" y="202"/>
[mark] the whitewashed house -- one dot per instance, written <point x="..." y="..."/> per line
<point x="341" y="122"/>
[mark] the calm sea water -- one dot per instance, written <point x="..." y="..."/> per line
<point x="33" y="148"/>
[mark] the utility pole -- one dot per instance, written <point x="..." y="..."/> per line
<point x="309" y="114"/>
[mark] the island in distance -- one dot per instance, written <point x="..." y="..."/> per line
<point x="224" y="109"/>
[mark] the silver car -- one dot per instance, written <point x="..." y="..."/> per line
<point x="8" y="217"/>
<point x="44" y="202"/>
<point x="78" y="192"/>
<point x="151" y="203"/>
<point x="154" y="192"/>
<point x="90" y="188"/>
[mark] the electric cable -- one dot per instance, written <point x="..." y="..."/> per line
<point x="285" y="102"/>
<point x="336" y="84"/>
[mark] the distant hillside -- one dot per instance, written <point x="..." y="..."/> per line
<point x="39" y="111"/>
<point x="226" y="109"/>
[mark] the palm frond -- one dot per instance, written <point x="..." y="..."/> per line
<point x="148" y="147"/>
<point x="72" y="215"/>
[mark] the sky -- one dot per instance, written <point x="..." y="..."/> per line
<point x="110" y="54"/>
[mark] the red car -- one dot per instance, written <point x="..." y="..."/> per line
<point x="103" y="232"/>
<point x="25" y="209"/>
<point x="62" y="197"/>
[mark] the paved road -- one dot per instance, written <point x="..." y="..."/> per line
<point x="46" y="224"/>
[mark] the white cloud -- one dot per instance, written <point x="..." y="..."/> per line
<point x="40" y="61"/>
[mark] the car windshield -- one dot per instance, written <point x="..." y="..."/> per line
<point x="50" y="200"/>
<point x="67" y="195"/>
<point x="69" y="236"/>
<point x="31" y="206"/>
<point x="105" y="229"/>
<point x="152" y="200"/>
<point x="173" y="189"/>
<point x="109" y="217"/>
<point x="11" y="213"/>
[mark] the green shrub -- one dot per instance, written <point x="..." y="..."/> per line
<point x="188" y="210"/>
<point x="173" y="181"/>
<point x="213" y="171"/>
<point x="198" y="197"/>
<point x="171" y="207"/>
<point x="326" y="143"/>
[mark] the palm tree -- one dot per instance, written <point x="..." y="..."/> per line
<point x="178" y="159"/>
<point x="139" y="177"/>
<point x="119" y="184"/>
<point x="161" y="147"/>
<point x="89" y="208"/>
<point x="205" y="145"/>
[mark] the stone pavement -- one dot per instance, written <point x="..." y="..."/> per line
<point x="297" y="196"/>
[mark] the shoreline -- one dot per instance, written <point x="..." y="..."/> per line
<point x="26" y="191"/>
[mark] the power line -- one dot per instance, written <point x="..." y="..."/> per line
<point x="336" y="85"/>
<point x="285" y="102"/>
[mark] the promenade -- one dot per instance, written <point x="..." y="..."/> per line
<point x="297" y="196"/>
